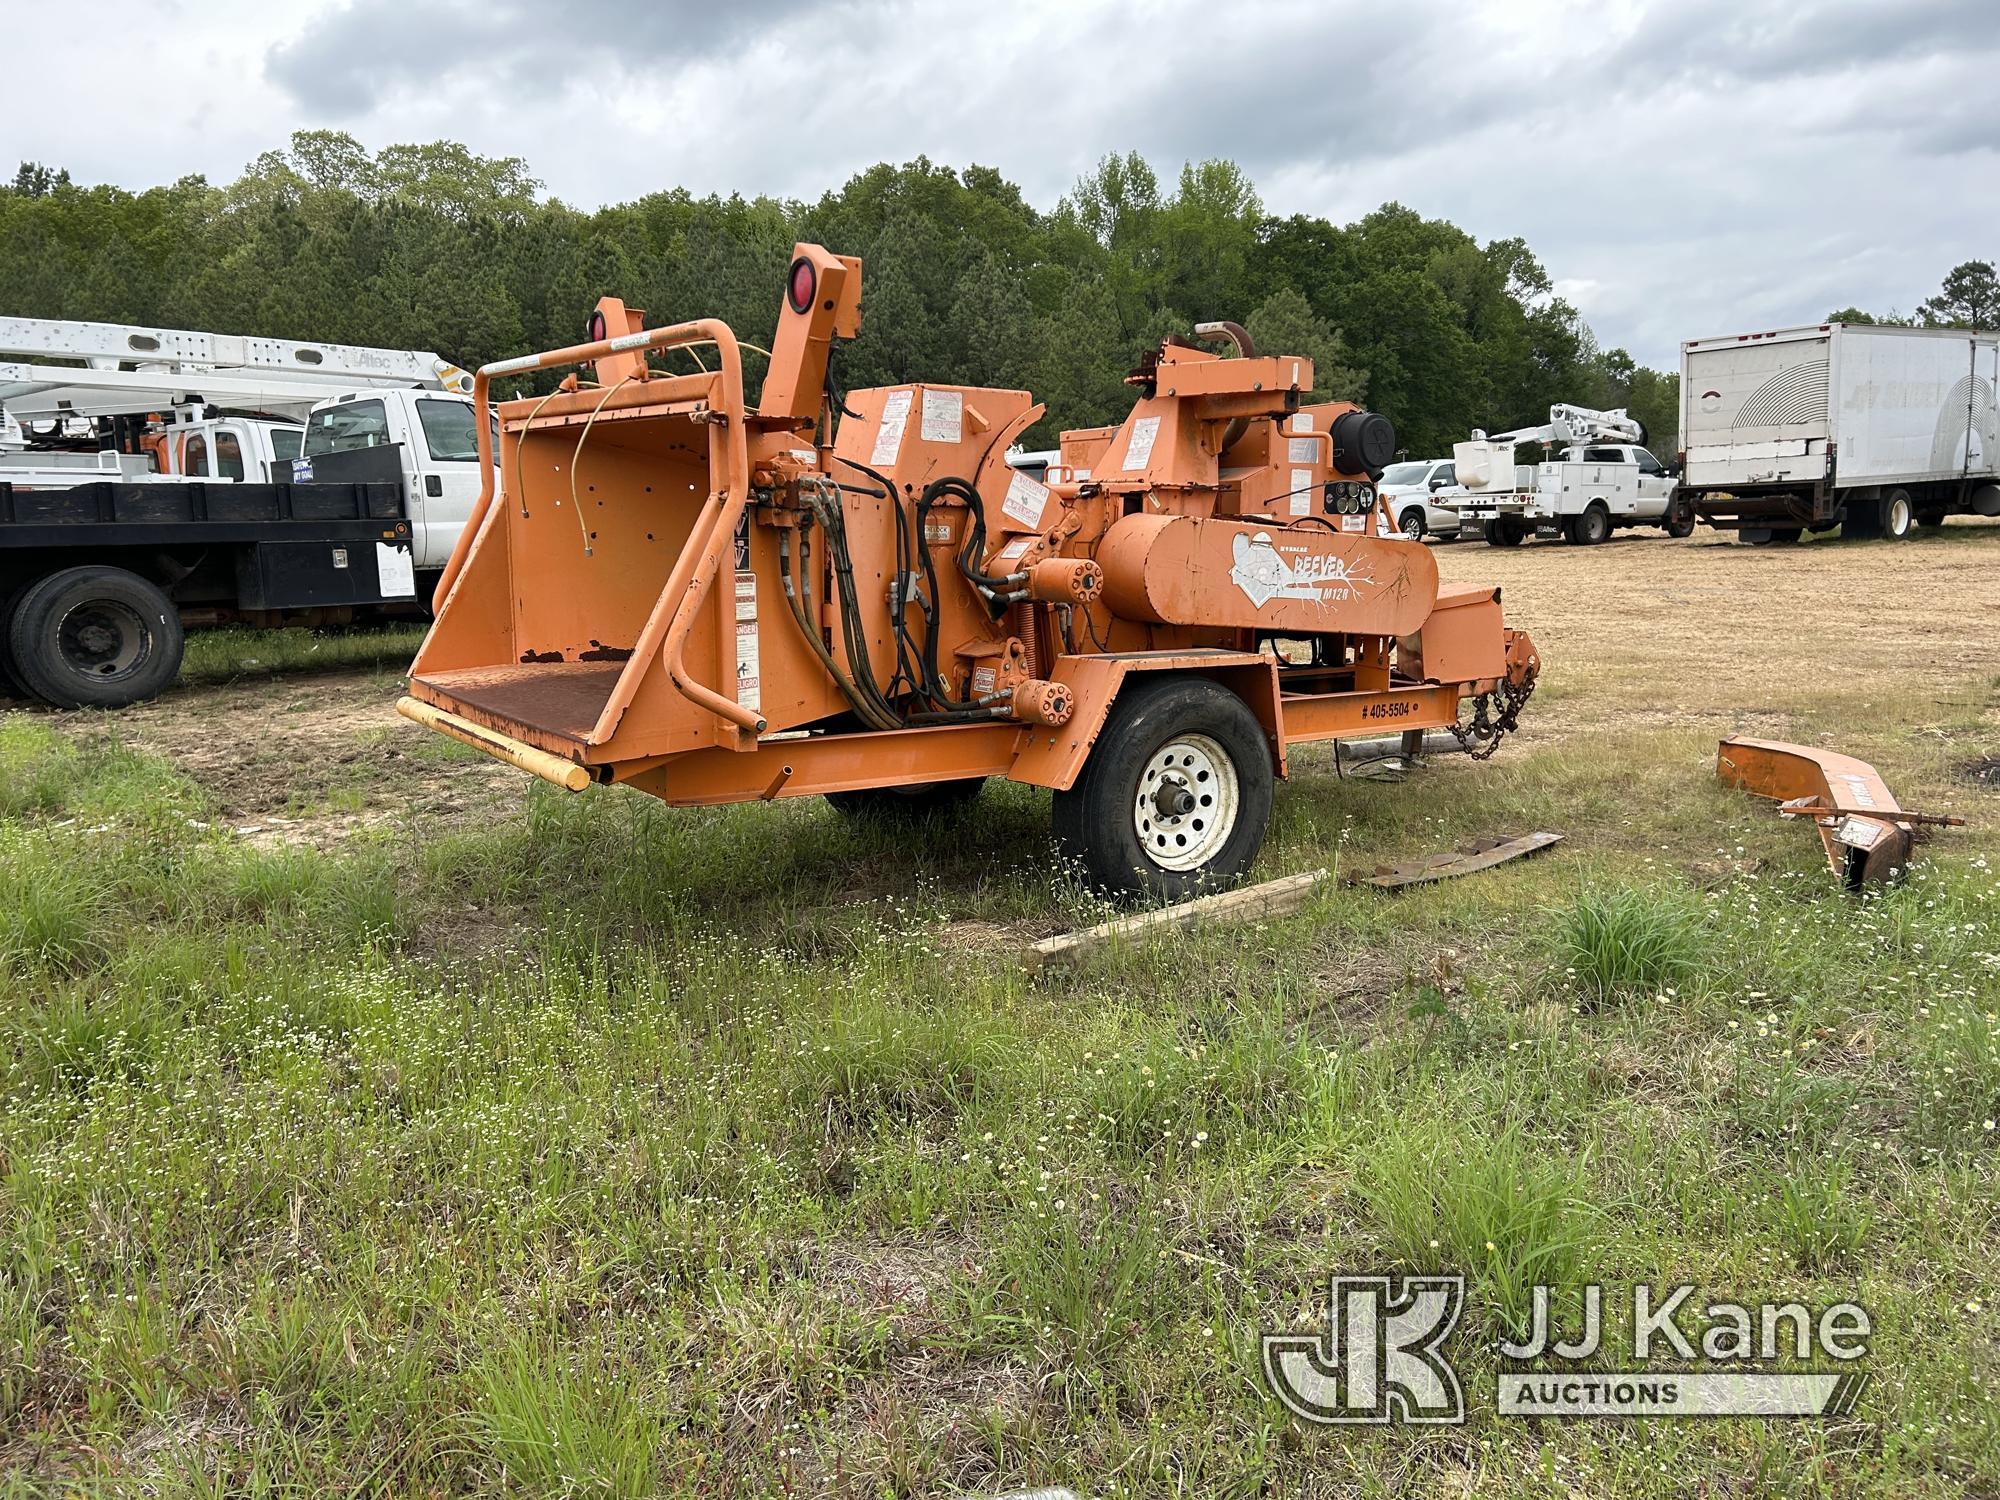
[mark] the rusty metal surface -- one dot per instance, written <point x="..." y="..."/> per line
<point x="1481" y="854"/>
<point x="561" y="698"/>
<point x="1867" y="834"/>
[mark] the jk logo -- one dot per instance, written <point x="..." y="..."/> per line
<point x="1378" y="1359"/>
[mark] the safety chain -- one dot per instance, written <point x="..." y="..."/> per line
<point x="1483" y="735"/>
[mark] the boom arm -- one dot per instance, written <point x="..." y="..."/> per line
<point x="127" y="369"/>
<point x="1573" y="424"/>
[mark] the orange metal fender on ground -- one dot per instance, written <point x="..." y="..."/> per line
<point x="1867" y="834"/>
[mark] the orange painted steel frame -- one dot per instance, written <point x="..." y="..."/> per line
<point x="1867" y="834"/>
<point x="654" y="589"/>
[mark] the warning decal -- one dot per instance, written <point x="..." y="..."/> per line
<point x="1303" y="450"/>
<point x="749" y="687"/>
<point x="1139" y="449"/>
<point x="1025" y="500"/>
<point x="944" y="417"/>
<point x="1302" y="492"/>
<point x="889" y="436"/>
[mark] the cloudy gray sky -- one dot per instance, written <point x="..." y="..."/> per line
<point x="1682" y="167"/>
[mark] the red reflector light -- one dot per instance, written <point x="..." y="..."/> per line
<point x="803" y="283"/>
<point x="594" y="330"/>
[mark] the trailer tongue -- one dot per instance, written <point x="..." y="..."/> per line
<point x="675" y="590"/>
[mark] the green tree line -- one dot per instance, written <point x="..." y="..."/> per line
<point x="1968" y="298"/>
<point x="432" y="246"/>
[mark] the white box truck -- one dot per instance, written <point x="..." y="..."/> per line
<point x="1876" y="430"/>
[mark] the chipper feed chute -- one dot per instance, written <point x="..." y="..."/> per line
<point x="711" y="601"/>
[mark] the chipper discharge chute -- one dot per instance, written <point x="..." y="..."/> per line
<point x="714" y="602"/>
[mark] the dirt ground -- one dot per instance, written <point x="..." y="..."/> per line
<point x="1639" y="633"/>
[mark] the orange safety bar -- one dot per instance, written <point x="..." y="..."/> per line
<point x="667" y="627"/>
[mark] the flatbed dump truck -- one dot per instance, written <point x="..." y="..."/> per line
<point x="1874" y="429"/>
<point x="671" y="589"/>
<point x="163" y="479"/>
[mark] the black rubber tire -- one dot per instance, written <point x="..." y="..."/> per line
<point x="11" y="685"/>
<point x="1095" y="819"/>
<point x="1413" y="513"/>
<point x="1592" y="527"/>
<point x="923" y="800"/>
<point x="1931" y="520"/>
<point x="1504" y="531"/>
<point x="57" y="666"/>
<point x="1896" y="516"/>
<point x="1678" y="522"/>
<point x="1785" y="536"/>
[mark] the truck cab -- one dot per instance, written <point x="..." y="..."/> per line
<point x="436" y="453"/>
<point x="1653" y="486"/>
<point x="254" y="450"/>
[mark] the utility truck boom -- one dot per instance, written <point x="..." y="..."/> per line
<point x="1605" y="478"/>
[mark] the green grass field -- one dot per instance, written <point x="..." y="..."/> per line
<point x="581" y="1146"/>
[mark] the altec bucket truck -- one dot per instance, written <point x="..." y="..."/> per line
<point x="671" y="589"/>
<point x="1604" y="479"/>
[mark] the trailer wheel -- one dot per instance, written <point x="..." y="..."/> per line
<point x="1505" y="531"/>
<point x="923" y="799"/>
<point x="1411" y="523"/>
<point x="1897" y="518"/>
<point x="95" y="637"/>
<point x="1176" y="794"/>
<point x="1678" y="522"/>
<point x="1592" y="527"/>
<point x="10" y="680"/>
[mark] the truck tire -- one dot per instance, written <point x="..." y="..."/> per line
<point x="1176" y="794"/>
<point x="924" y="799"/>
<point x="11" y="685"/>
<point x="1592" y="527"/>
<point x="1505" y="531"/>
<point x="1896" y="519"/>
<point x="95" y="637"/>
<point x="1411" y="523"/>
<point x="1678" y="522"/>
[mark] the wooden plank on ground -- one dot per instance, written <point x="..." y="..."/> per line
<point x="1273" y="898"/>
<point x="1482" y="854"/>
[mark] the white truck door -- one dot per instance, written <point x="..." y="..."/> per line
<point x="445" y="483"/>
<point x="235" y="451"/>
<point x="1656" y="485"/>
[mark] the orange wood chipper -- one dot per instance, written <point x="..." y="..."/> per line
<point x="858" y="596"/>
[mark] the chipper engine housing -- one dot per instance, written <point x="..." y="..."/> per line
<point x="860" y="597"/>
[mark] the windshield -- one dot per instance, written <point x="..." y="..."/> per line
<point x="448" y="430"/>
<point x="338" y="429"/>
<point x="1405" y="473"/>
